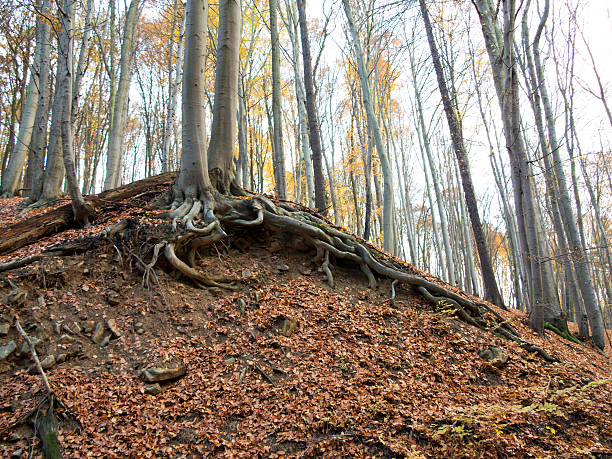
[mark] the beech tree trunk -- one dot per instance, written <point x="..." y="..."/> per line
<point x="388" y="232"/>
<point x="314" y="135"/>
<point x="277" y="138"/>
<point x="120" y="104"/>
<point x="14" y="168"/>
<point x="490" y="283"/>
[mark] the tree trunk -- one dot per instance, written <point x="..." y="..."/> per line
<point x="113" y="162"/>
<point x="82" y="211"/>
<point x="170" y="124"/>
<point x="388" y="232"/>
<point x="314" y="135"/>
<point x="277" y="138"/>
<point x="490" y="283"/>
<point x="13" y="172"/>
<point x="223" y="130"/>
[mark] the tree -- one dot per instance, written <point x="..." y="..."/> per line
<point x="120" y="102"/>
<point x="314" y="134"/>
<point x="490" y="283"/>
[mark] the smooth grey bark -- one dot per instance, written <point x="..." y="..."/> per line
<point x="578" y="254"/>
<point x="314" y="134"/>
<point x="170" y="123"/>
<point x="388" y="232"/>
<point x="543" y="301"/>
<point x="81" y="210"/>
<point x="223" y="130"/>
<point x="36" y="156"/>
<point x="293" y="29"/>
<point x="115" y="141"/>
<point x="12" y="174"/>
<point x="193" y="181"/>
<point x="280" y="179"/>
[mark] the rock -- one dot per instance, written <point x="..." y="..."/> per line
<point x="89" y="326"/>
<point x="98" y="334"/>
<point x="289" y="327"/>
<point x="112" y="326"/>
<point x="494" y="355"/>
<point x="105" y="341"/>
<point x="4" y="329"/>
<point x="65" y="337"/>
<point x="242" y="305"/>
<point x="283" y="268"/>
<point x="305" y="270"/>
<point x="140" y="331"/>
<point x="152" y="389"/>
<point x="85" y="288"/>
<point x="7" y="350"/>
<point x="61" y="358"/>
<point x="74" y="328"/>
<point x="86" y="272"/>
<point x="246" y="273"/>
<point x="48" y="362"/>
<point x="25" y="348"/>
<point x="113" y="300"/>
<point x="138" y="325"/>
<point x="159" y="374"/>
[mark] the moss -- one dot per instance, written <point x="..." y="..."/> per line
<point x="562" y="333"/>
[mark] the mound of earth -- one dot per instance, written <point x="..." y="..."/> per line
<point x="279" y="365"/>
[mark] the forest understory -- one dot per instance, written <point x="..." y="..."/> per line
<point x="296" y="352"/>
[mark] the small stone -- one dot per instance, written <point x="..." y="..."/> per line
<point x="86" y="272"/>
<point x="246" y="273"/>
<point x="85" y="288"/>
<point x="7" y="350"/>
<point x="61" y="357"/>
<point x="113" y="300"/>
<point x="89" y="326"/>
<point x="74" y="328"/>
<point x="25" y="348"/>
<point x="112" y="326"/>
<point x="306" y="270"/>
<point x="48" y="362"/>
<point x="140" y="331"/>
<point x="138" y="325"/>
<point x="159" y="374"/>
<point x="105" y="341"/>
<point x="65" y="337"/>
<point x="4" y="329"/>
<point x="152" y="389"/>
<point x="283" y="268"/>
<point x="494" y="355"/>
<point x="242" y="305"/>
<point x="98" y="334"/>
<point x="256" y="297"/>
<point x="289" y="327"/>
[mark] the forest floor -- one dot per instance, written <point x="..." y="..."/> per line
<point x="283" y="366"/>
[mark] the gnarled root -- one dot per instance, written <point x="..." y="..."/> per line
<point x="326" y="240"/>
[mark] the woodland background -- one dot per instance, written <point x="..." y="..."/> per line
<point x="127" y="122"/>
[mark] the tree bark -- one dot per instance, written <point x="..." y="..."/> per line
<point x="314" y="135"/>
<point x="388" y="232"/>
<point x="490" y="283"/>
<point x="113" y="162"/>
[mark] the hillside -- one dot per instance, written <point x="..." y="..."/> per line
<point x="282" y="365"/>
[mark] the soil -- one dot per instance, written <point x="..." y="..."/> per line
<point x="282" y="366"/>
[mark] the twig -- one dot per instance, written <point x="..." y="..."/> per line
<point x="34" y="355"/>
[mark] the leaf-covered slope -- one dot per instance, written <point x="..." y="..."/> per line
<point x="286" y="365"/>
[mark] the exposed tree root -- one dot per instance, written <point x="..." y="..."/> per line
<point x="198" y="224"/>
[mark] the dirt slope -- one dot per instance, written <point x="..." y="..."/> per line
<point x="284" y="366"/>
